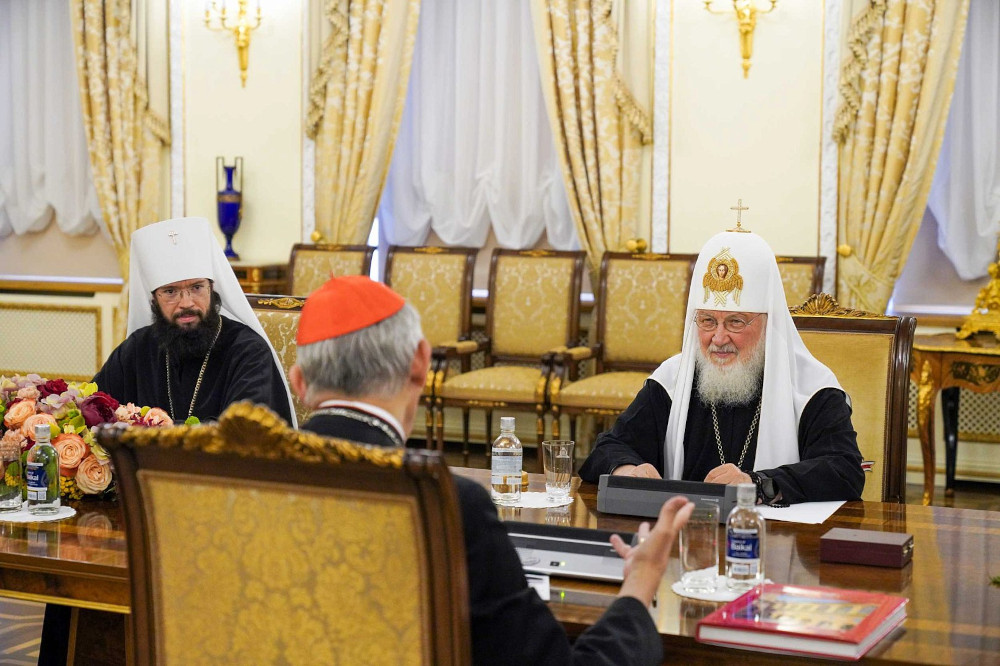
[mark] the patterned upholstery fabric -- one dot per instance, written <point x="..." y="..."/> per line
<point x="861" y="363"/>
<point x="281" y="326"/>
<point x="608" y="390"/>
<point x="433" y="284"/>
<point x="506" y="383"/>
<point x="530" y="300"/>
<point x="797" y="279"/>
<point x="312" y="267"/>
<point x="295" y="578"/>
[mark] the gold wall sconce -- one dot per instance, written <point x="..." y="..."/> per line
<point x="216" y="18"/>
<point x="746" y="14"/>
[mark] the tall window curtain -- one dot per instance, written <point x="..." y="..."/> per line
<point x="124" y="136"/>
<point x="599" y="127"/>
<point x="356" y="101"/>
<point x="965" y="197"/>
<point x="475" y="148"/>
<point x="896" y="86"/>
<point x="44" y="167"/>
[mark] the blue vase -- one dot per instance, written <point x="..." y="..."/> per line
<point x="230" y="207"/>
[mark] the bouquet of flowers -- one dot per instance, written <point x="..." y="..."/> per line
<point x="73" y="411"/>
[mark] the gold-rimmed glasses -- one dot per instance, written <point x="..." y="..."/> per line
<point x="733" y="323"/>
<point x="173" y="294"/>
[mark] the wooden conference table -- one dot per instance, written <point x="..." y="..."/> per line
<point x="953" y="616"/>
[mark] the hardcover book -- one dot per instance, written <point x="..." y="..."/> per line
<point x="814" y="621"/>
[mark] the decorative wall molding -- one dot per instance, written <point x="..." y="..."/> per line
<point x="828" y="156"/>
<point x="176" y="46"/>
<point x="661" y="131"/>
<point x="308" y="145"/>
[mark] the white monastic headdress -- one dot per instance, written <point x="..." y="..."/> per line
<point x="186" y="249"/>
<point x="736" y="272"/>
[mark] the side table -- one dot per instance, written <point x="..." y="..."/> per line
<point x="940" y="362"/>
<point x="261" y="278"/>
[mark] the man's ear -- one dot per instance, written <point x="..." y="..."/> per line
<point x="297" y="381"/>
<point x="421" y="364"/>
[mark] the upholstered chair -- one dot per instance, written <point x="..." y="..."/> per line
<point x="279" y="316"/>
<point x="870" y="354"/>
<point x="437" y="281"/>
<point x="252" y="543"/>
<point x="532" y="312"/>
<point x="801" y="276"/>
<point x="640" y="310"/>
<point x="312" y="265"/>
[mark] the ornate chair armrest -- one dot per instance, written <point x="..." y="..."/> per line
<point x="457" y="348"/>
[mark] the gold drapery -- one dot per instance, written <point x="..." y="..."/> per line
<point x="896" y="85"/>
<point x="355" y="103"/>
<point x="124" y="136"/>
<point x="599" y="128"/>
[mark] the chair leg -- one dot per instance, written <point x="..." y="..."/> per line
<point x="489" y="432"/>
<point x="572" y="427"/>
<point x="439" y="423"/>
<point x="540" y="437"/>
<point x="429" y="423"/>
<point x="465" y="432"/>
<point x="556" y="427"/>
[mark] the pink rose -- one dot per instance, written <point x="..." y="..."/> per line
<point x="17" y="412"/>
<point x="72" y="450"/>
<point x="28" y="427"/>
<point x="128" y="413"/>
<point x="157" y="417"/>
<point x="14" y="438"/>
<point x="28" y="393"/>
<point x="98" y="408"/>
<point x="92" y="477"/>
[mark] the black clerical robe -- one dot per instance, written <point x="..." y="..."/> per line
<point x="829" y="466"/>
<point x="240" y="367"/>
<point x="509" y="622"/>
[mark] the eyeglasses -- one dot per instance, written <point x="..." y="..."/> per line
<point x="732" y="323"/>
<point x="174" y="294"/>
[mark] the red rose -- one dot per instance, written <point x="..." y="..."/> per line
<point x="98" y="408"/>
<point x="53" y="386"/>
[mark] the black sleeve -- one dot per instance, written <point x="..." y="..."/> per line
<point x="256" y="377"/>
<point x="830" y="461"/>
<point x="510" y="624"/>
<point x="636" y="437"/>
<point x="111" y="377"/>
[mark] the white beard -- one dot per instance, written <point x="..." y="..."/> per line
<point x="736" y="383"/>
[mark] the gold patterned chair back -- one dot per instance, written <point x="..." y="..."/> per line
<point x="279" y="315"/>
<point x="801" y="277"/>
<point x="534" y="303"/>
<point x="641" y="305"/>
<point x="312" y="265"/>
<point x="870" y="355"/>
<point x="437" y="281"/>
<point x="253" y="543"/>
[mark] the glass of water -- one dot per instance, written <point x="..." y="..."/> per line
<point x="557" y="460"/>
<point x="700" y="550"/>
<point x="10" y="477"/>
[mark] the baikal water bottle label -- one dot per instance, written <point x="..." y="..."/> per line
<point x="743" y="551"/>
<point x="38" y="482"/>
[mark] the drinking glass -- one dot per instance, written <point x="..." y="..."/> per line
<point x="700" y="550"/>
<point x="557" y="461"/>
<point x="10" y="477"/>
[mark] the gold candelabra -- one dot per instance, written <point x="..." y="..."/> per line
<point x="746" y="15"/>
<point x="240" y="27"/>
<point x="985" y="315"/>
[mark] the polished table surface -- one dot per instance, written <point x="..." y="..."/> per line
<point x="953" y="616"/>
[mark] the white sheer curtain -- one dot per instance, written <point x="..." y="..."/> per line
<point x="965" y="196"/>
<point x="44" y="165"/>
<point x="474" y="147"/>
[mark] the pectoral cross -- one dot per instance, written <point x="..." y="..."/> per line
<point x="739" y="208"/>
<point x="173" y="237"/>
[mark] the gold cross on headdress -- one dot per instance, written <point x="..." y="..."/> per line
<point x="739" y="208"/>
<point x="173" y="237"/>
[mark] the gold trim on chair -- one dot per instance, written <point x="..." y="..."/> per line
<point x="826" y="305"/>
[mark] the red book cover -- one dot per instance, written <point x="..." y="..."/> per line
<point x="815" y="621"/>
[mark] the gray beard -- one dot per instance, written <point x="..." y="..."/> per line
<point x="736" y="383"/>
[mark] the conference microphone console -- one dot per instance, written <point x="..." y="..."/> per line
<point x="634" y="496"/>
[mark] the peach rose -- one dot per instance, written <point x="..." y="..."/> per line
<point x="128" y="413"/>
<point x="158" y="417"/>
<point x="18" y="412"/>
<point x="14" y="440"/>
<point x="28" y="427"/>
<point x="72" y="450"/>
<point x="28" y="393"/>
<point x="92" y="477"/>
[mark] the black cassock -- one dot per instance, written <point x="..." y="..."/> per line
<point x="509" y="622"/>
<point x="830" y="461"/>
<point x="240" y="367"/>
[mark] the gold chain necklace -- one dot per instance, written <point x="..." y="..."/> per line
<point x="746" y="444"/>
<point x="201" y="375"/>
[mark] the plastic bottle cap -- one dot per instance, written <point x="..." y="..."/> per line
<point x="506" y="422"/>
<point x="42" y="430"/>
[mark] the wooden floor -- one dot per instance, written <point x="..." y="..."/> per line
<point x="968" y="494"/>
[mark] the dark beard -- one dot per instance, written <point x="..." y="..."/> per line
<point x="187" y="344"/>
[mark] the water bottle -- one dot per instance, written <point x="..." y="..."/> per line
<point x="505" y="466"/>
<point x="42" y="473"/>
<point x="745" y="531"/>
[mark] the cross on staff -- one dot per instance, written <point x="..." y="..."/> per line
<point x="739" y="208"/>
<point x="173" y="237"/>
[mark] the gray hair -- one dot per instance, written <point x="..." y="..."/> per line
<point x="372" y="361"/>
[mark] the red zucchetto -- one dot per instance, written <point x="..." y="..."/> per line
<point x="344" y="305"/>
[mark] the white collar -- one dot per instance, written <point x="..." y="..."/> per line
<point x="367" y="408"/>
